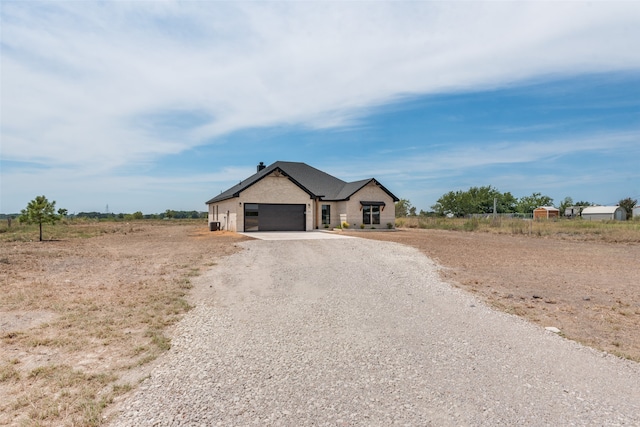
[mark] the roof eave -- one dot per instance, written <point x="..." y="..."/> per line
<point x="216" y="200"/>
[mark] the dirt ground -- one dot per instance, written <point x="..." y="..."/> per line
<point x="79" y="316"/>
<point x="82" y="318"/>
<point x="589" y="290"/>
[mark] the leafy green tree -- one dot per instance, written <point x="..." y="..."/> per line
<point x="528" y="203"/>
<point x="449" y="203"/>
<point x="403" y="207"/>
<point x="507" y="203"/>
<point x="476" y="200"/>
<point x="138" y="215"/>
<point x="62" y="212"/>
<point x="628" y="204"/>
<point x="39" y="211"/>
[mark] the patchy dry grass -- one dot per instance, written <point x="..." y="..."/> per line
<point x="83" y="312"/>
<point x="80" y="228"/>
<point x="575" y="229"/>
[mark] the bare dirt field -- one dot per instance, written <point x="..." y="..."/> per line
<point x="84" y="315"/>
<point x="588" y="289"/>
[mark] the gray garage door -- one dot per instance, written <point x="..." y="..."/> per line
<point x="274" y="217"/>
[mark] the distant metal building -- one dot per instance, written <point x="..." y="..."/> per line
<point x="604" y="213"/>
<point x="546" y="212"/>
<point x="572" y="211"/>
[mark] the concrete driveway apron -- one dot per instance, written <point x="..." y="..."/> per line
<point x="295" y="235"/>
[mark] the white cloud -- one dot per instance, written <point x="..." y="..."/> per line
<point x="426" y="175"/>
<point x="73" y="71"/>
<point x="79" y="79"/>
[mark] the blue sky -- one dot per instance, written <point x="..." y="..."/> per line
<point x="161" y="105"/>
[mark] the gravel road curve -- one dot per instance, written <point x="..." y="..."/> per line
<point x="355" y="332"/>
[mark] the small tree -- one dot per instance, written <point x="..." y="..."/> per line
<point x="567" y="202"/>
<point x="403" y="206"/>
<point x="39" y="211"/>
<point x="628" y="204"/>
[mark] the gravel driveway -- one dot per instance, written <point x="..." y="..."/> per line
<point x="356" y="332"/>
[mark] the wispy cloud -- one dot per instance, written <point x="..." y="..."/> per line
<point x="529" y="165"/>
<point x="95" y="87"/>
<point x="465" y="157"/>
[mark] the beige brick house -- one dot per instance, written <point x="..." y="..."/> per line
<point x="291" y="196"/>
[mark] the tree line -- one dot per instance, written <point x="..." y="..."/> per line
<point x="42" y="211"/>
<point x="169" y="214"/>
<point x="481" y="200"/>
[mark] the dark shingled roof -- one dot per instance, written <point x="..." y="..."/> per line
<point x="313" y="181"/>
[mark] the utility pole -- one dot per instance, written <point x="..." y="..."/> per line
<point x="495" y="204"/>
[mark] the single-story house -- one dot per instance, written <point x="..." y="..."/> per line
<point x="546" y="212"/>
<point x="292" y="196"/>
<point x="604" y="213"/>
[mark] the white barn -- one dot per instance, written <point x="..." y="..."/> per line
<point x="604" y="213"/>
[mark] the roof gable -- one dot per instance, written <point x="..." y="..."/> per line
<point x="253" y="179"/>
<point x="351" y="188"/>
<point x="313" y="181"/>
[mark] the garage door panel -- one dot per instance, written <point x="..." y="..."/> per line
<point x="278" y="217"/>
<point x="281" y="218"/>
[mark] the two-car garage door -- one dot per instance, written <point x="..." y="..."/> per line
<point x="274" y="217"/>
